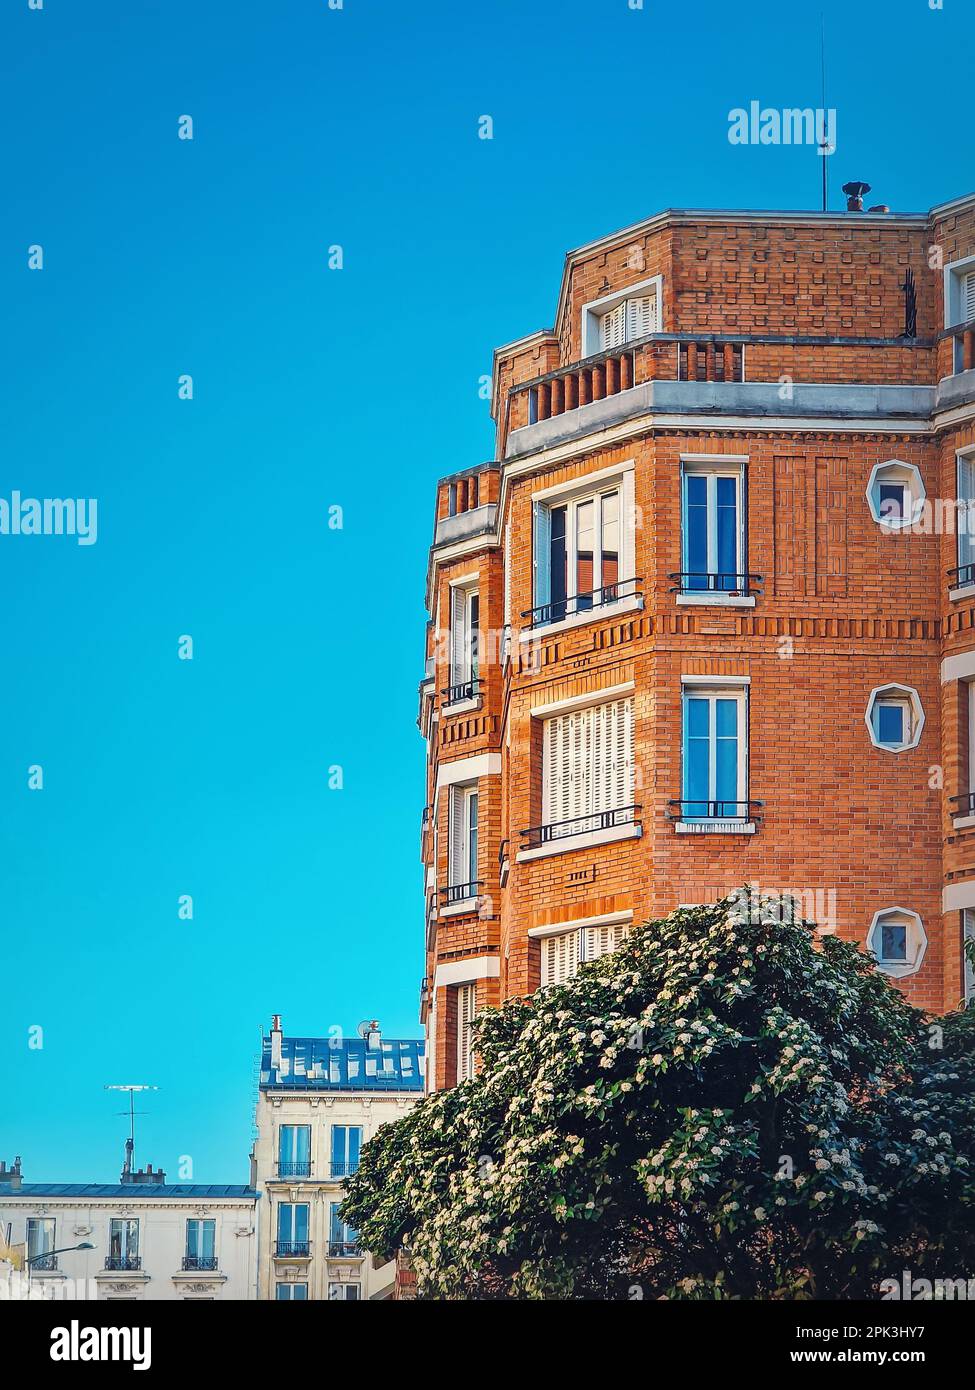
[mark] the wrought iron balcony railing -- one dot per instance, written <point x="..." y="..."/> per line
<point x="199" y="1262"/>
<point x="343" y="1250"/>
<point x="717" y="810"/>
<point x="537" y="835"/>
<point x="344" y="1170"/>
<point x="42" y="1262"/>
<point x="123" y="1261"/>
<point x="734" y="585"/>
<point x="575" y="604"/>
<point x="460" y="892"/>
<point x="295" y="1169"/>
<point x="463" y="690"/>
<point x="292" y="1249"/>
<point x="961" y="576"/>
<point x="964" y="804"/>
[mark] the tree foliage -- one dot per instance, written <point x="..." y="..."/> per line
<point x="730" y="1106"/>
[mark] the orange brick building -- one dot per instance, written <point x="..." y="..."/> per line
<point x="709" y="619"/>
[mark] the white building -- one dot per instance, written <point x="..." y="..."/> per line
<point x="319" y="1101"/>
<point x="148" y="1239"/>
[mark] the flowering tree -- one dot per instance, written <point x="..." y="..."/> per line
<point x="729" y="1106"/>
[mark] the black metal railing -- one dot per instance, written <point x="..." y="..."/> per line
<point x="717" y="810"/>
<point x="960" y="576"/>
<point x="342" y="1249"/>
<point x="537" y="835"/>
<point x="463" y="690"/>
<point x="44" y="1262"/>
<point x="460" y="892"/>
<point x="590" y="602"/>
<point x="344" y="1170"/>
<point x="291" y="1249"/>
<point x="965" y="804"/>
<point x="721" y="582"/>
<point x="295" y="1170"/>
<point x="199" y="1262"/>
<point x="123" y="1261"/>
<point x="503" y="851"/>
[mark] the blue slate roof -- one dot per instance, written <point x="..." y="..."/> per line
<point x="128" y="1190"/>
<point x="344" y="1064"/>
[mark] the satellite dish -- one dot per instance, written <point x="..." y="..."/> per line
<point x="368" y="1030"/>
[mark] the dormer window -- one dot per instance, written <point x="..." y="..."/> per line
<point x="625" y="316"/>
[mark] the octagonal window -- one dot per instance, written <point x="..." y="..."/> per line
<point x="895" y="494"/>
<point x="894" y="717"/>
<point x="897" y="940"/>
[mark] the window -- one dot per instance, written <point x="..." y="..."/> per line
<point x="712" y="530"/>
<point x="40" y="1242"/>
<point x="466" y="1009"/>
<point x="959" y="303"/>
<point x="968" y="967"/>
<point x="294" y="1151"/>
<point x="895" y="494"/>
<point x="344" y="1293"/>
<point x="894" y="718"/>
<point x="200" y="1245"/>
<point x="291" y="1293"/>
<point x="965" y="518"/>
<point x="342" y="1239"/>
<point x="714" y="776"/>
<point x="123" y="1243"/>
<point x="583" y="552"/>
<point x="464" y="641"/>
<point x="898" y="941"/>
<point x="292" y="1228"/>
<point x="462" y="850"/>
<point x="624" y="316"/>
<point x="346" y="1143"/>
<point x="587" y="769"/>
<point x="562" y="954"/>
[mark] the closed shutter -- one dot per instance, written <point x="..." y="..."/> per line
<point x="458" y="625"/>
<point x="507" y="572"/>
<point x="599" y="941"/>
<point x="557" y="778"/>
<point x="641" y="316"/>
<point x="612" y="328"/>
<point x="560" y="957"/>
<point x="466" y="1008"/>
<point x="456" y="869"/>
<point x="542" y="559"/>
<point x="621" y="754"/>
<point x="968" y="297"/>
<point x="587" y="759"/>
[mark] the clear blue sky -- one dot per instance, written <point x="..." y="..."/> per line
<point x="312" y="388"/>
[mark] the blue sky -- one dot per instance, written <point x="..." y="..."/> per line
<point x="312" y="388"/>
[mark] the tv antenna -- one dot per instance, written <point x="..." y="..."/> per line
<point x="131" y="1112"/>
<point x="824" y="148"/>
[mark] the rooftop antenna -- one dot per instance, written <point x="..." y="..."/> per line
<point x="131" y="1112"/>
<point x="824" y="146"/>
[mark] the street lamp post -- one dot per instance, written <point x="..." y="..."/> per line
<point x="49" y="1254"/>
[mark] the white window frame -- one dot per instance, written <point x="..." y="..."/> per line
<point x="956" y="275"/>
<point x="908" y="476"/>
<point x="466" y="1011"/>
<point x="464" y="643"/>
<point x="964" y="517"/>
<point x="595" y="310"/>
<point x="916" y="941"/>
<point x="740" y="693"/>
<point x="462" y="842"/>
<point x="712" y="470"/>
<point x="563" y="952"/>
<point x="572" y="780"/>
<point x="910" y="700"/>
<point x="342" y="1296"/>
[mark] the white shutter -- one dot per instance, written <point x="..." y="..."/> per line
<point x="641" y="316"/>
<point x="457" y="843"/>
<point x="466" y="1008"/>
<point x="560" y="957"/>
<point x="612" y="328"/>
<point x="621" y="772"/>
<point x="968" y="297"/>
<point x="542" y="537"/>
<point x="507" y="571"/>
<point x="458" y="627"/>
<point x="599" y="941"/>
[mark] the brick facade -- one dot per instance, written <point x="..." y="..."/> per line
<point x="777" y="339"/>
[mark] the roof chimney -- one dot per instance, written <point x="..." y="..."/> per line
<point x="276" y="1042"/>
<point x="10" y="1177"/>
<point x="854" y="195"/>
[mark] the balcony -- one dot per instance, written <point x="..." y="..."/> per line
<point x="344" y="1170"/>
<point x="41" y="1264"/>
<point x="581" y="606"/>
<point x="461" y="693"/>
<point x="199" y="1262"/>
<point x="344" y="1250"/>
<point x="962" y="810"/>
<point x="961" y="580"/>
<point x="292" y="1250"/>
<point x="460" y="893"/>
<point x="733" y="590"/>
<point x="714" y="817"/>
<point x="295" y="1170"/>
<point x="123" y="1261"/>
<point x="580" y="832"/>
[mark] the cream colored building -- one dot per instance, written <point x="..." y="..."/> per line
<point x="319" y="1101"/>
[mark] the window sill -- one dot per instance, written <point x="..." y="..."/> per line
<point x="632" y="604"/>
<point x="612" y="833"/>
<point x="962" y="822"/>
<point x="506" y="869"/>
<point x="462" y="706"/>
<point x="965" y="591"/>
<point x="467" y="905"/>
<point x="718" y="600"/>
<point x="715" y="827"/>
